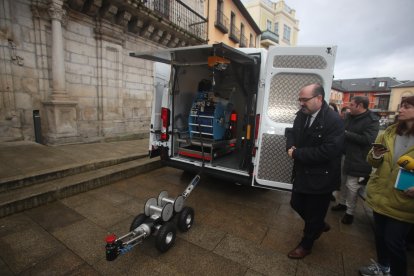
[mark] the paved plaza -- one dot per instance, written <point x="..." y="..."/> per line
<point x="237" y="231"/>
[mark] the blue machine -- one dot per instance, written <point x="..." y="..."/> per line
<point x="210" y="116"/>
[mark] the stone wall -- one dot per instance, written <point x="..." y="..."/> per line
<point x="105" y="93"/>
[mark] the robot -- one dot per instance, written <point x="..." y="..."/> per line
<point x="160" y="218"/>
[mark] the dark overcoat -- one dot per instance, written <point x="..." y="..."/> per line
<point x="317" y="158"/>
<point x="361" y="131"/>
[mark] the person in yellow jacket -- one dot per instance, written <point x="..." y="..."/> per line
<point x="393" y="209"/>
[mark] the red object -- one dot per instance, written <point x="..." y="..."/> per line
<point x="195" y="155"/>
<point x="111" y="238"/>
<point x="165" y="119"/>
<point x="164" y="136"/>
<point x="233" y="116"/>
<point x="233" y="124"/>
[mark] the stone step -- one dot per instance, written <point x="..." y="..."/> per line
<point x="35" y="195"/>
<point x="48" y="174"/>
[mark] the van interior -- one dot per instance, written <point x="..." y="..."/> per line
<point x="214" y="106"/>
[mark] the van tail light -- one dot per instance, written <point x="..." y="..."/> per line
<point x="256" y="133"/>
<point x="165" y="119"/>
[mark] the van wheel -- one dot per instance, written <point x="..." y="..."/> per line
<point x="166" y="237"/>
<point x="185" y="219"/>
<point x="138" y="220"/>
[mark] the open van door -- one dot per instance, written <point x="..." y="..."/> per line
<point x="288" y="69"/>
<point x="171" y="59"/>
<point x="160" y="99"/>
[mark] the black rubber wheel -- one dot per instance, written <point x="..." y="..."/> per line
<point x="185" y="219"/>
<point x="138" y="220"/>
<point x="165" y="237"/>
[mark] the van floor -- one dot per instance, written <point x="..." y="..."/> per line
<point x="231" y="160"/>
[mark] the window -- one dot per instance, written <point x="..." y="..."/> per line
<point x="219" y="9"/>
<point x="276" y="28"/>
<point x="241" y="30"/>
<point x="234" y="31"/>
<point x="286" y="33"/>
<point x="163" y="7"/>
<point x="220" y="6"/>
<point x="268" y="25"/>
<point x="232" y="20"/>
<point x="383" y="103"/>
<point x="382" y="84"/>
<point x="251" y="43"/>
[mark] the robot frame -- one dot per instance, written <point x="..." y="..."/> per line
<point x="159" y="219"/>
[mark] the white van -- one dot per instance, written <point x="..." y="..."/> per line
<point x="226" y="110"/>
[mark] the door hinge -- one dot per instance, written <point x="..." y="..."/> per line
<point x="262" y="83"/>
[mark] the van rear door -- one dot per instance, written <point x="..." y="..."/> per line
<point x="287" y="70"/>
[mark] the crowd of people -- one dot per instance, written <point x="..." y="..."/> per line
<point x="343" y="150"/>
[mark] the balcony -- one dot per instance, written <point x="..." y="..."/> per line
<point x="222" y="22"/>
<point x="234" y="34"/>
<point x="243" y="41"/>
<point x="269" y="38"/>
<point x="170" y="23"/>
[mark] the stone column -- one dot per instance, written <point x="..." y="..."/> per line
<point x="58" y="65"/>
<point x="60" y="109"/>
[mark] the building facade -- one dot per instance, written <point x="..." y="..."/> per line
<point x="276" y="20"/>
<point x="378" y="91"/>
<point x="336" y="97"/>
<point x="229" y="22"/>
<point x="398" y="93"/>
<point x="65" y="71"/>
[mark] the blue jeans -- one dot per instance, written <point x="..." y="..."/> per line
<point x="390" y="241"/>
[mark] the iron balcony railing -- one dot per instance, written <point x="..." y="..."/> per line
<point x="179" y="14"/>
<point x="270" y="35"/>
<point x="222" y="22"/>
<point x="234" y="34"/>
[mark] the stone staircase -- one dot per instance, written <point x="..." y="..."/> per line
<point x="28" y="191"/>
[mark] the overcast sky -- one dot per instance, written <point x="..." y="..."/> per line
<point x="375" y="38"/>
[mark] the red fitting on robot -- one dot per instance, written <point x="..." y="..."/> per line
<point x="111" y="248"/>
<point x="111" y="238"/>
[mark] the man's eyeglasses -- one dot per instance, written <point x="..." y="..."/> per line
<point x="305" y="100"/>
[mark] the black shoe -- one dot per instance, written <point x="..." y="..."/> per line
<point x="347" y="219"/>
<point x="338" y="207"/>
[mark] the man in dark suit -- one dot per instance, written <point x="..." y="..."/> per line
<point x="315" y="144"/>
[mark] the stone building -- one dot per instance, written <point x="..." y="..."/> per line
<point x="65" y="64"/>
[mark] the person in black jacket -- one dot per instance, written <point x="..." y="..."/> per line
<point x="361" y="129"/>
<point x="315" y="143"/>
